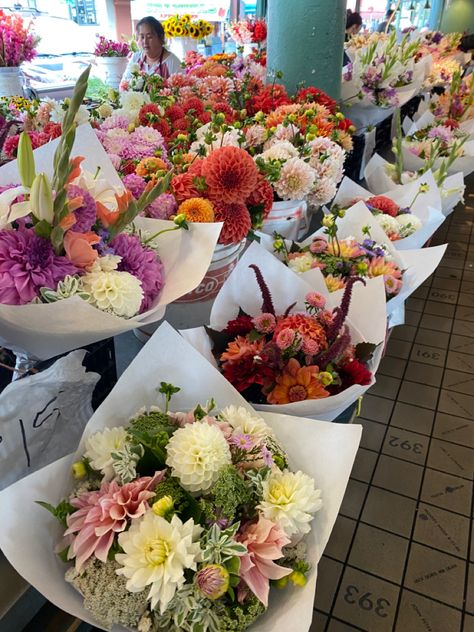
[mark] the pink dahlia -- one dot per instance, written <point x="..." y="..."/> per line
<point x="264" y="541"/>
<point x="86" y="213"/>
<point x="143" y="263"/>
<point x="230" y="173"/>
<point x="28" y="263"/>
<point x="104" y="513"/>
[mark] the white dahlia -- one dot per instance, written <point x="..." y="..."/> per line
<point x="283" y="150"/>
<point x="289" y="500"/>
<point x="388" y="223"/>
<point x="323" y="192"/>
<point x="99" y="448"/>
<point x="255" y="135"/>
<point x="196" y="453"/>
<point x="301" y="263"/>
<point x="118" y="293"/>
<point x="132" y="101"/>
<point x="156" y="553"/>
<point x="296" y="180"/>
<point x="246" y="422"/>
<point x="408" y="224"/>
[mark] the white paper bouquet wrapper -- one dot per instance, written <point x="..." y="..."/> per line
<point x="48" y="329"/>
<point x="379" y="182"/>
<point x="366" y="320"/>
<point x="427" y="206"/>
<point x="29" y="534"/>
<point x="416" y="264"/>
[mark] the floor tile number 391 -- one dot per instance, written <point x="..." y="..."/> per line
<point x="365" y="602"/>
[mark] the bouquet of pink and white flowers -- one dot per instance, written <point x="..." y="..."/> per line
<point x="110" y="48"/>
<point x="17" y="41"/>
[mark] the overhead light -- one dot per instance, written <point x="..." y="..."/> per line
<point x="411" y="7"/>
<point x="427" y="5"/>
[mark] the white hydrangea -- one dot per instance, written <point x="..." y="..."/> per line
<point x="118" y="293"/>
<point x="245" y="421"/>
<point x="196" y="454"/>
<point x="156" y="554"/>
<point x="388" y="223"/>
<point x="99" y="448"/>
<point x="289" y="499"/>
<point x="301" y="263"/>
<point x="408" y="224"/>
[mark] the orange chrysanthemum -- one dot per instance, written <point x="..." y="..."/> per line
<point x="308" y="328"/>
<point x="230" y="174"/>
<point x="150" y="166"/>
<point x="197" y="210"/>
<point x="241" y="348"/>
<point x="297" y="384"/>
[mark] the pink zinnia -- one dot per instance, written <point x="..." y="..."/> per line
<point x="265" y="323"/>
<point x="264" y="541"/>
<point x="104" y="513"/>
<point x="28" y="263"/>
<point x="316" y="300"/>
<point x="285" y="338"/>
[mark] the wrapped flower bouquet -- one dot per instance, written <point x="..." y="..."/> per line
<point x="186" y="520"/>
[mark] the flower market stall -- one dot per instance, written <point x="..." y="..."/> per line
<point x="221" y="217"/>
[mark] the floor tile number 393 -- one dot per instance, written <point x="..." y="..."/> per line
<point x="365" y="601"/>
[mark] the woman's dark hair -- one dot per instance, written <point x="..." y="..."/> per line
<point x="353" y="19"/>
<point x="154" y="24"/>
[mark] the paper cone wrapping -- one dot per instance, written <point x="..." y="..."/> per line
<point x="28" y="533"/>
<point x="452" y="192"/>
<point x="49" y="329"/>
<point x="366" y="320"/>
<point x="427" y="206"/>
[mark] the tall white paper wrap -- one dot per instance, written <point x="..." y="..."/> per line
<point x="28" y="534"/>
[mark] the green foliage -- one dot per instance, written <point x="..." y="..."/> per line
<point x="184" y="503"/>
<point x="227" y="494"/>
<point x="237" y="618"/>
<point x="152" y="430"/>
<point x="97" y="89"/>
<point x="219" y="545"/>
<point x="61" y="512"/>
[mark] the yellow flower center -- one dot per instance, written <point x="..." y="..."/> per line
<point x="278" y="494"/>
<point x="156" y="552"/>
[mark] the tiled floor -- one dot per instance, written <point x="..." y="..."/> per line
<point x="402" y="551"/>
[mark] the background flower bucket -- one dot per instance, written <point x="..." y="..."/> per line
<point x="193" y="309"/>
<point x="11" y="81"/>
<point x="289" y="218"/>
<point x="110" y="70"/>
<point x="181" y="45"/>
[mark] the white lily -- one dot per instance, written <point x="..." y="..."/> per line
<point x="10" y="212"/>
<point x="99" y="188"/>
<point x="41" y="199"/>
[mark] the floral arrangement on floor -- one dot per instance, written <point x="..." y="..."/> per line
<point x="184" y="521"/>
<point x="110" y="48"/>
<point x="184" y="26"/>
<point x="248" y="31"/>
<point x="17" y="40"/>
<point x="340" y="260"/>
<point x="291" y="357"/>
<point x="65" y="237"/>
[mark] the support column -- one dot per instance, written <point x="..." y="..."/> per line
<point x="305" y="42"/>
<point x="458" y="16"/>
<point x="437" y="7"/>
<point x="123" y="18"/>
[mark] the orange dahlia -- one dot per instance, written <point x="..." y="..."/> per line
<point x="150" y="166"/>
<point x="230" y="173"/>
<point x="296" y="384"/>
<point x="237" y="221"/>
<point x="308" y="328"/>
<point x="240" y="348"/>
<point x="197" y="210"/>
<point x="183" y="187"/>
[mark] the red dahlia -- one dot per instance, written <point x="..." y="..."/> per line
<point x="261" y="198"/>
<point x="230" y="174"/>
<point x="384" y="205"/>
<point x="193" y="103"/>
<point x="240" y="326"/>
<point x="183" y="187"/>
<point x="354" y="372"/>
<point x="237" y="222"/>
<point x="245" y="372"/>
<point x="148" y="114"/>
<point x="174" y="112"/>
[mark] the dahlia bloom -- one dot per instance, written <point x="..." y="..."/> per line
<point x="384" y="205"/>
<point x="237" y="221"/>
<point x="283" y="150"/>
<point x="246" y="422"/>
<point x="118" y="293"/>
<point x="378" y="266"/>
<point x="163" y="207"/>
<point x="323" y="192"/>
<point x="141" y="262"/>
<point x="264" y="541"/>
<point x="296" y="384"/>
<point x="99" y="448"/>
<point x="230" y="174"/>
<point x="296" y="180"/>
<point x="197" y="210"/>
<point x="196" y="453"/>
<point x="334" y="283"/>
<point x="156" y="554"/>
<point x="104" y="513"/>
<point x="289" y="499"/>
<point x="28" y="263"/>
<point x="300" y="262"/>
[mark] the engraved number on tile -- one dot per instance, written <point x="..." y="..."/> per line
<point x="416" y="448"/>
<point x="428" y="355"/>
<point x="436" y="294"/>
<point x="365" y="602"/>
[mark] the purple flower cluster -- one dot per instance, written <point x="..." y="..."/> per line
<point x="143" y="263"/>
<point x="109" y="48"/>
<point x="28" y="263"/>
<point x="369" y="246"/>
<point x="163" y="207"/>
<point x="135" y="184"/>
<point x="86" y="214"/>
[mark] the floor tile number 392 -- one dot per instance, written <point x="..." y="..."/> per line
<point x="366" y="602"/>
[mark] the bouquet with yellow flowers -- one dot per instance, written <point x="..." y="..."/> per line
<point x="183" y="26"/>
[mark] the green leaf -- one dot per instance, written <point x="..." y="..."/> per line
<point x="61" y="512"/>
<point x="43" y="229"/>
<point x="57" y="236"/>
<point x="63" y="555"/>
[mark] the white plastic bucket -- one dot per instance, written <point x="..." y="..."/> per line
<point x="11" y="81"/>
<point x="289" y="218"/>
<point x="110" y="70"/>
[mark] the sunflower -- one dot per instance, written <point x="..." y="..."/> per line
<point x="197" y="210"/>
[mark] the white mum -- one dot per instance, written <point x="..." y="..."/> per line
<point x="283" y="150"/>
<point x="156" y="553"/>
<point x="290" y="499"/>
<point x="408" y="224"/>
<point x="118" y="293"/>
<point x="132" y="101"/>
<point x="301" y="263"/>
<point x="388" y="223"/>
<point x="245" y="422"/>
<point x="196" y="453"/>
<point x="99" y="448"/>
